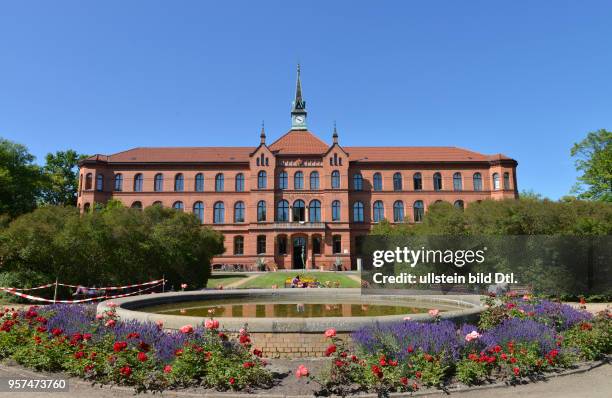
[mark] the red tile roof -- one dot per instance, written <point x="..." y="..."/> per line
<point x="297" y="142"/>
<point x="179" y="154"/>
<point x="414" y="154"/>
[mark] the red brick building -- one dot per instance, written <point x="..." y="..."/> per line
<point x="298" y="201"/>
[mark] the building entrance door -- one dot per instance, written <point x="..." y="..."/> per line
<point x="299" y="253"/>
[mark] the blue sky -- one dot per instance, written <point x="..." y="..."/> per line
<point x="524" y="78"/>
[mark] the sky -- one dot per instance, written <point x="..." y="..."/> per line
<point x="524" y="78"/>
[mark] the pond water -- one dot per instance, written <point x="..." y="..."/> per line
<point x="239" y="309"/>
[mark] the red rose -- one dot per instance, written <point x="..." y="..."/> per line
<point x="126" y="371"/>
<point x="79" y="354"/>
<point x="232" y="381"/>
<point x="87" y="336"/>
<point x="377" y="371"/>
<point x="513" y="360"/>
<point x="142" y="357"/>
<point x="404" y="380"/>
<point x="178" y="352"/>
<point x="417" y="374"/>
<point x="167" y="369"/>
<point x="410" y="348"/>
<point x="89" y="368"/>
<point x="516" y="371"/>
<point x="257" y="353"/>
<point x="57" y="331"/>
<point x="119" y="346"/>
<point x="247" y="365"/>
<point x="392" y="363"/>
<point x="339" y="363"/>
<point x="330" y="350"/>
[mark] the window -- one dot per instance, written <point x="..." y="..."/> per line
<point x="137" y="205"/>
<point x="337" y="244"/>
<point x="118" y="182"/>
<point x="99" y="182"/>
<point x="257" y="161"/>
<point x="358" y="182"/>
<point x="477" y="182"/>
<point x="316" y="245"/>
<point x="335" y="179"/>
<point x="158" y="203"/>
<point x="314" y="180"/>
<point x="219" y="182"/>
<point x="397" y="182"/>
<point x="138" y="182"/>
<point x="261" y="211"/>
<point x="336" y="210"/>
<point x="495" y="181"/>
<point x="238" y="245"/>
<point x="417" y="180"/>
<point x="239" y="212"/>
<point x="282" y="211"/>
<point x="262" y="178"/>
<point x="378" y="185"/>
<point x="199" y="182"/>
<point x="282" y="244"/>
<point x="506" y="181"/>
<point x="86" y="207"/>
<point x="219" y="213"/>
<point x="179" y="183"/>
<point x="457" y="182"/>
<point x="158" y="182"/>
<point x="88" y="181"/>
<point x="398" y="211"/>
<point x="198" y="211"/>
<point x="261" y="244"/>
<point x="419" y="211"/>
<point x="239" y="183"/>
<point x="178" y="205"/>
<point x="358" y="212"/>
<point x="379" y="211"/>
<point x="299" y="210"/>
<point x="80" y="185"/>
<point x="314" y="214"/>
<point x="298" y="180"/>
<point x="437" y="181"/>
<point x="459" y="204"/>
<point x="283" y="180"/>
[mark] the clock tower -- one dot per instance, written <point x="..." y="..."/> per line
<point x="298" y="110"/>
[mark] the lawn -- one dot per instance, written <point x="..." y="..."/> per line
<point x="278" y="278"/>
<point x="224" y="279"/>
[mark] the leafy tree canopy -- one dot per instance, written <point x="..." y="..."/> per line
<point x="594" y="162"/>
<point x="20" y="179"/>
<point x="61" y="178"/>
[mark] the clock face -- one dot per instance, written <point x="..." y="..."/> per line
<point x="299" y="119"/>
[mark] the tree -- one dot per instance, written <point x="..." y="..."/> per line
<point x="594" y="160"/>
<point x="20" y="179"/>
<point x="61" y="178"/>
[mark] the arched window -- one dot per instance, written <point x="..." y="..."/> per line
<point x="459" y="204"/>
<point x="299" y="210"/>
<point x="316" y="244"/>
<point x="457" y="182"/>
<point x="283" y="180"/>
<point x="314" y="211"/>
<point x="261" y="244"/>
<point x="198" y="211"/>
<point x="86" y="207"/>
<point x="239" y="212"/>
<point x="419" y="211"/>
<point x="262" y="180"/>
<point x="261" y="210"/>
<point x="282" y="244"/>
<point x="495" y="181"/>
<point x="219" y="213"/>
<point x="358" y="182"/>
<point x="199" y="182"/>
<point x="138" y="182"/>
<point x="477" y="182"/>
<point x="282" y="211"/>
<point x="238" y="245"/>
<point x="379" y="211"/>
<point x="178" y="205"/>
<point x="239" y="183"/>
<point x="88" y="181"/>
<point x="179" y="183"/>
<point x="397" y="182"/>
<point x="158" y="182"/>
<point x="335" y="179"/>
<point x="99" y="182"/>
<point x="118" y="182"/>
<point x="337" y="244"/>
<point x="398" y="211"/>
<point x="378" y="183"/>
<point x="158" y="203"/>
<point x="257" y="161"/>
<point x="336" y="210"/>
<point x="314" y="180"/>
<point x="298" y="180"/>
<point x="506" y="181"/>
<point x="358" y="211"/>
<point x="137" y="205"/>
<point x="437" y="181"/>
<point x="417" y="180"/>
<point x="219" y="182"/>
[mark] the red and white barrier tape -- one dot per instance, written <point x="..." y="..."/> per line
<point x="113" y="287"/>
<point x="35" y="298"/>
<point x="29" y="288"/>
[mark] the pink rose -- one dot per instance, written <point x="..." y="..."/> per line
<point x="183" y="286"/>
<point x="99" y="316"/>
<point x="331" y="332"/>
<point x="187" y="329"/>
<point x="110" y="323"/>
<point x="211" y="324"/>
<point x="160" y="324"/>
<point x="434" y="313"/>
<point x="472" y="336"/>
<point x="301" y="371"/>
<point x="407" y="318"/>
<point x="167" y="369"/>
<point x="112" y="305"/>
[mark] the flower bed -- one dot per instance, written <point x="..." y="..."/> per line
<point x="101" y="348"/>
<point x="516" y="338"/>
